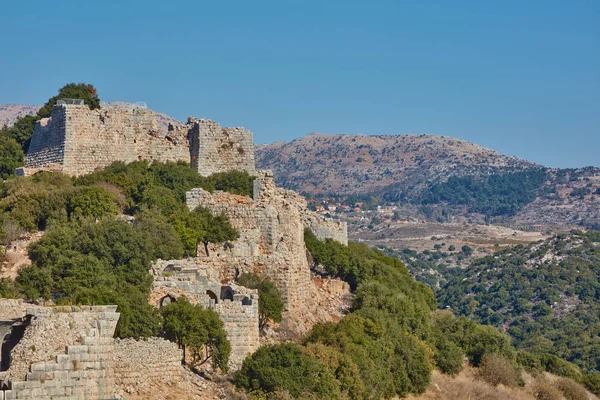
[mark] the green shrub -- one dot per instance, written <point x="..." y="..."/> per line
<point x="342" y="367"/>
<point x="476" y="340"/>
<point x="529" y="361"/>
<point x="11" y="156"/>
<point x="592" y="383"/>
<point x="99" y="263"/>
<point x="560" y="367"/>
<point x="91" y="202"/>
<point x="286" y="367"/>
<point x="448" y="356"/>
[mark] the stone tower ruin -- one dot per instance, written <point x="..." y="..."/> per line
<point x="76" y="140"/>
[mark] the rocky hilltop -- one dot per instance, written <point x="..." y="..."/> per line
<point x="10" y="112"/>
<point x="359" y="164"/>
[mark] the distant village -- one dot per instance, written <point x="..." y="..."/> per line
<point x="349" y="209"/>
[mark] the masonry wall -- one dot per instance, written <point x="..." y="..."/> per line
<point x="140" y="364"/>
<point x="66" y="353"/>
<point x="271" y="243"/>
<point x="176" y="278"/>
<point x="79" y="140"/>
<point x="326" y="228"/>
<point x="216" y="149"/>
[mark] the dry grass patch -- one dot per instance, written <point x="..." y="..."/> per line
<point x="497" y="370"/>
<point x="571" y="389"/>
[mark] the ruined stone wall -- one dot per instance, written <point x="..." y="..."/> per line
<point x="66" y="352"/>
<point x="216" y="149"/>
<point x="47" y="146"/>
<point x="237" y="306"/>
<point x="141" y="364"/>
<point x="79" y="140"/>
<point x="326" y="228"/>
<point x="271" y="243"/>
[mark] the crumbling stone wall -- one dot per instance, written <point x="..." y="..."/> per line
<point x="141" y="364"/>
<point x="66" y="352"/>
<point x="237" y="306"/>
<point x="271" y="243"/>
<point x="216" y="149"/>
<point x="326" y="228"/>
<point x="77" y="140"/>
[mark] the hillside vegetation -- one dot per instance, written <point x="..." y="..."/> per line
<point x="546" y="296"/>
<point x="88" y="255"/>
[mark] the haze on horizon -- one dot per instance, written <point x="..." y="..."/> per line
<point x="521" y="79"/>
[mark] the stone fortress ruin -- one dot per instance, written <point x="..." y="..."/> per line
<point x="76" y="140"/>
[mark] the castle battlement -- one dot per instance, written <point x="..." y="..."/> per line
<point x="77" y="140"/>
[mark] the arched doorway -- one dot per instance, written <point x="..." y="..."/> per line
<point x="168" y="299"/>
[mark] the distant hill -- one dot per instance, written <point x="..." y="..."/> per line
<point x="358" y="164"/>
<point x="545" y="295"/>
<point x="438" y="177"/>
<point x="10" y="112"/>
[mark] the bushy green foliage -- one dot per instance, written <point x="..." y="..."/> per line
<point x="33" y="202"/>
<point x="476" y="340"/>
<point x="286" y="367"/>
<point x="346" y="372"/>
<point x="144" y="183"/>
<point x="529" y="361"/>
<point x="550" y="305"/>
<point x="202" y="226"/>
<point x="448" y="356"/>
<point x="91" y="202"/>
<point x="100" y="263"/>
<point x="270" y="302"/>
<point x="198" y="329"/>
<point x="11" y="156"/>
<point x="493" y="195"/>
<point x="82" y="90"/>
<point x="390" y="360"/>
<point x="592" y="383"/>
<point x="161" y="236"/>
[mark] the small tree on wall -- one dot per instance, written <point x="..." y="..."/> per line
<point x="198" y="329"/>
<point x="270" y="303"/>
<point x="202" y="226"/>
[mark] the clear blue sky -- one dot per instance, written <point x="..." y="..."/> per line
<point x="521" y="77"/>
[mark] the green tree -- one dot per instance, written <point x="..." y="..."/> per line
<point x="11" y="156"/>
<point x="202" y="226"/>
<point x="99" y="263"/>
<point x="83" y="91"/>
<point x="91" y="202"/>
<point x="161" y="236"/>
<point x="270" y="302"/>
<point x="198" y="329"/>
<point x="215" y="228"/>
